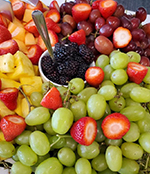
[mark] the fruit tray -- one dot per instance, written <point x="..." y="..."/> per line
<point x="46" y="2"/>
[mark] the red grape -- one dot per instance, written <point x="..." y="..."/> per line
<point x="69" y="19"/>
<point x="135" y="22"/>
<point x="106" y="30"/>
<point x="86" y="26"/>
<point x="119" y="11"/>
<point x="113" y="21"/>
<point x="145" y="61"/>
<point x="125" y="22"/>
<point x="138" y="34"/>
<point x="95" y="13"/>
<point x="100" y="21"/>
<point x="141" y="13"/>
<point x="66" y="28"/>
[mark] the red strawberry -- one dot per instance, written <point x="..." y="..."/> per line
<point x="9" y="97"/>
<point x="107" y="7"/>
<point x="115" y="126"/>
<point x="3" y="21"/>
<point x="12" y="126"/>
<point x="51" y="25"/>
<point x="136" y="72"/>
<point x="84" y="131"/>
<point x="0" y="84"/>
<point x="78" y="36"/>
<point x="121" y="37"/>
<point x="94" y="76"/>
<point x="52" y="99"/>
<point x="53" y="39"/>
<point x="31" y="27"/>
<point x="81" y="11"/>
<point x="4" y="34"/>
<point x="18" y="9"/>
<point x="9" y="46"/>
<point x="39" y="6"/>
<point x="34" y="53"/>
<point x="54" y="5"/>
<point x="54" y="15"/>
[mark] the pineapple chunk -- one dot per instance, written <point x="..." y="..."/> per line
<point x="7" y="63"/>
<point x="36" y="70"/>
<point x="25" y="107"/>
<point x="4" y="110"/>
<point x="29" y="39"/>
<point x="6" y="82"/>
<point x="19" y="33"/>
<point x="2" y="136"/>
<point x="2" y="75"/>
<point x="18" y="110"/>
<point x="31" y="84"/>
<point x="22" y="46"/>
<point x="23" y="67"/>
<point x="27" y="15"/>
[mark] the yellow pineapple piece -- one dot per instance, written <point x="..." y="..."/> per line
<point x="19" y="33"/>
<point x="29" y="39"/>
<point x="18" y="110"/>
<point x="2" y="75"/>
<point x="36" y="70"/>
<point x="25" y="107"/>
<point x="2" y="136"/>
<point x="4" y="110"/>
<point x="27" y="15"/>
<point x="7" y="63"/>
<point x="23" y="67"/>
<point x="31" y="84"/>
<point x="6" y="82"/>
<point x="22" y="46"/>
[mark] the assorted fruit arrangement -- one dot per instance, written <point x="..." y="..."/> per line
<point x="98" y="127"/>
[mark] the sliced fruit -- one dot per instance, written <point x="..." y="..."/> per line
<point x="6" y="83"/>
<point x="22" y="46"/>
<point x="115" y="126"/>
<point x="19" y="33"/>
<point x="29" y="39"/>
<point x="51" y="25"/>
<point x="27" y="15"/>
<point x="18" y="9"/>
<point x="39" y="6"/>
<point x="31" y="27"/>
<point x="3" y="21"/>
<point x="54" y="5"/>
<point x="4" y="34"/>
<point x="54" y="15"/>
<point x="84" y="131"/>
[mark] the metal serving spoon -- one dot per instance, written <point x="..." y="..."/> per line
<point x="40" y="23"/>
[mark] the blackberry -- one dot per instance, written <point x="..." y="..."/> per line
<point x="81" y="71"/>
<point x="86" y="53"/>
<point x="64" y="80"/>
<point x="47" y="65"/>
<point x="54" y="76"/>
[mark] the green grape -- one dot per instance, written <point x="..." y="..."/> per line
<point x="63" y="91"/>
<point x="129" y="166"/>
<point x="33" y="128"/>
<point x="36" y="98"/>
<point x="93" y="171"/>
<point x="140" y="94"/>
<point x="7" y="149"/>
<point x="49" y="166"/>
<point x="19" y="168"/>
<point x="107" y="82"/>
<point x="107" y="110"/>
<point x="62" y="120"/>
<point x="117" y="104"/>
<point x="99" y="163"/>
<point x="132" y="150"/>
<point x="83" y="166"/>
<point x="41" y="159"/>
<point x="133" y="113"/>
<point x="71" y="143"/>
<point x="66" y="156"/>
<point x="116" y="142"/>
<point x="108" y="92"/>
<point x="144" y="123"/>
<point x="86" y="93"/>
<point x="119" y="60"/>
<point x="107" y="72"/>
<point x="113" y="53"/>
<point x="119" y="77"/>
<point x="23" y="138"/>
<point x="78" y="109"/>
<point x="96" y="106"/>
<point x="134" y="56"/>
<point x="69" y="170"/>
<point x="133" y="134"/>
<point x="15" y="157"/>
<point x="102" y="61"/>
<point x="76" y="85"/>
<point x="26" y="155"/>
<point x="107" y="171"/>
<point x="130" y="102"/>
<point x="39" y="143"/>
<point x="126" y="89"/>
<point x="147" y="77"/>
<point x="37" y="116"/>
<point x="58" y="144"/>
<point x="144" y="141"/>
<point x="88" y="152"/>
<point x="99" y="136"/>
<point x="48" y="127"/>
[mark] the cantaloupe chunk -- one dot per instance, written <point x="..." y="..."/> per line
<point x="22" y="46"/>
<point x="19" y="33"/>
<point x="27" y="15"/>
<point x="29" y="39"/>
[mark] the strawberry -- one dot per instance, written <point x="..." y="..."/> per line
<point x="107" y="7"/>
<point x="121" y="37"/>
<point x="4" y="34"/>
<point x="0" y="84"/>
<point x="54" y="5"/>
<point x="136" y="72"/>
<point x="81" y="11"/>
<point x="9" y="97"/>
<point x="94" y="76"/>
<point x="54" y="15"/>
<point x="12" y="126"/>
<point x="18" y="9"/>
<point x="9" y="46"/>
<point x="3" y="21"/>
<point x="34" y="53"/>
<point x="31" y="27"/>
<point x="84" y="131"/>
<point x="115" y="126"/>
<point x="39" y="6"/>
<point x="53" y="39"/>
<point x="51" y="25"/>
<point x="52" y="99"/>
<point x="78" y="36"/>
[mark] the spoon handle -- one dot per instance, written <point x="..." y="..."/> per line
<point x="40" y="23"/>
